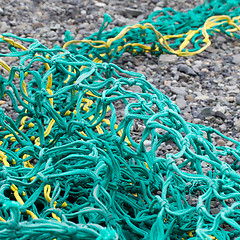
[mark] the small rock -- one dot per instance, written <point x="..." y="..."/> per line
<point x="3" y="27"/>
<point x="218" y="121"/>
<point x="238" y="99"/>
<point x="178" y="90"/>
<point x="157" y="9"/>
<point x="220" y="39"/>
<point x="169" y="147"/>
<point x="186" y="69"/>
<point x="181" y="103"/>
<point x="168" y="58"/>
<point x="14" y="116"/>
<point x="37" y="25"/>
<point x="132" y="12"/>
<point x="100" y="4"/>
<point x="202" y="97"/>
<point x="237" y="124"/>
<point x="211" y="49"/>
<point x="236" y="59"/>
<point x="221" y="142"/>
<point x="210" y="118"/>
<point x="206" y="111"/>
<point x="215" y="211"/>
<point x="197" y="120"/>
<point x="147" y="144"/>
<point x="55" y="27"/>
<point x="223" y="127"/>
<point x="220" y="108"/>
<point x="231" y="99"/>
<point x="219" y="114"/>
<point x="190" y="98"/>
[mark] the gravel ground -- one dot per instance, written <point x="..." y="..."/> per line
<point x="205" y="86"/>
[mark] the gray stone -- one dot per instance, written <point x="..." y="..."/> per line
<point x="196" y="68"/>
<point x="181" y="103"/>
<point x="219" y="114"/>
<point x="211" y="49"/>
<point x="169" y="147"/>
<point x="100" y="4"/>
<point x="206" y="111"/>
<point x="220" y="39"/>
<point x="223" y="127"/>
<point x="186" y="69"/>
<point x="168" y="58"/>
<point x="3" y="27"/>
<point x="236" y="59"/>
<point x="202" y="97"/>
<point x="55" y="27"/>
<point x="178" y="90"/>
<point x="37" y="25"/>
<point x="215" y="211"/>
<point x="132" y="12"/>
<point x="210" y="118"/>
<point x="237" y="124"/>
<point x="238" y="99"/>
<point x="147" y="144"/>
<point x="197" y="120"/>
<point x="218" y="121"/>
<point x="157" y="9"/>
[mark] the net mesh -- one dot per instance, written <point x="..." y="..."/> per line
<point x="72" y="165"/>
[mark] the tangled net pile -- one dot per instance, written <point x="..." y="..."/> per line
<point x="71" y="166"/>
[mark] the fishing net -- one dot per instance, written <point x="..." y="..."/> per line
<point x="72" y="165"/>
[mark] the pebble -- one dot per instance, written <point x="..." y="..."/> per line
<point x="157" y="9"/>
<point x="223" y="127"/>
<point x="202" y="98"/>
<point x="197" y="120"/>
<point x="219" y="114"/>
<point x="237" y="124"/>
<point x="132" y="12"/>
<point x="168" y="58"/>
<point x="186" y="69"/>
<point x="206" y="111"/>
<point x="3" y="27"/>
<point x="221" y="39"/>
<point x="178" y="90"/>
<point x="147" y="144"/>
<point x="236" y="59"/>
<point x="189" y="98"/>
<point x="37" y="25"/>
<point x="181" y="103"/>
<point x="238" y="99"/>
<point x="215" y="211"/>
<point x="100" y="4"/>
<point x="221" y="142"/>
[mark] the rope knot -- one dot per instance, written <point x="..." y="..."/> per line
<point x="224" y="169"/>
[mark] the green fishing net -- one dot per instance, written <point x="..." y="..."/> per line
<point x="72" y="165"/>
